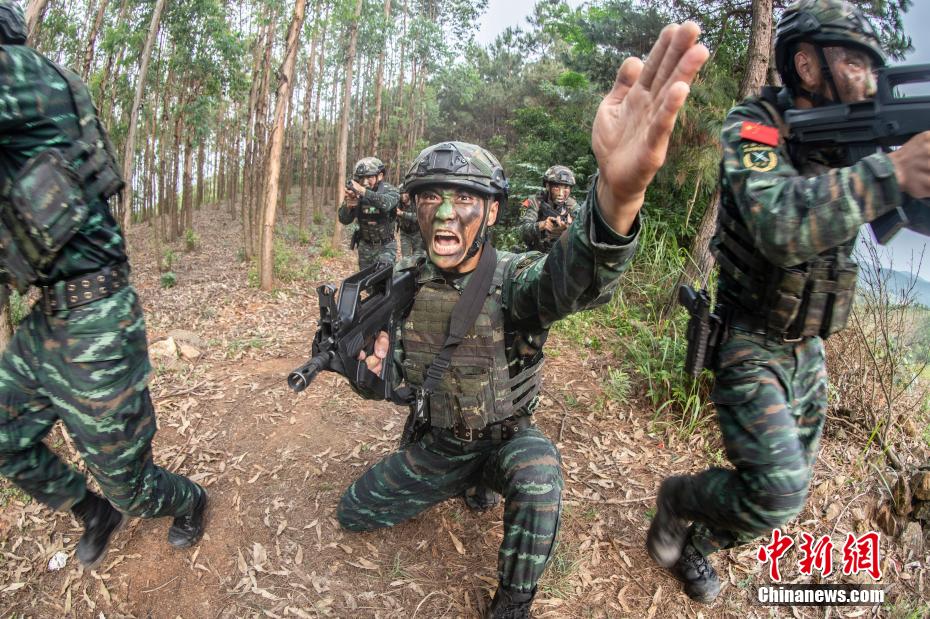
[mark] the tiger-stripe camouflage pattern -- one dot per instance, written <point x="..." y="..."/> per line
<point x="88" y="367"/>
<point x="369" y="253"/>
<point x="771" y="395"/>
<point x="771" y="400"/>
<point x="525" y="470"/>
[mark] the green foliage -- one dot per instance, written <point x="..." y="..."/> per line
<point x="289" y="266"/>
<point x="169" y="280"/>
<point x="191" y="240"/>
<point x="19" y="307"/>
<point x="168" y="258"/>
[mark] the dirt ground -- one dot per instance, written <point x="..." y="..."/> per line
<point x="275" y="464"/>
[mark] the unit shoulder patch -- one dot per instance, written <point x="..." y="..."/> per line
<point x="759" y="157"/>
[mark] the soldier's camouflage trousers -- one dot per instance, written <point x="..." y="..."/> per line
<point x="88" y="367"/>
<point x="410" y="243"/>
<point x="771" y="401"/>
<point x="525" y="470"/>
<point x="369" y="253"/>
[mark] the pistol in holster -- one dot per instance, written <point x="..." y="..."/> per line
<point x="705" y="330"/>
<point x="355" y="238"/>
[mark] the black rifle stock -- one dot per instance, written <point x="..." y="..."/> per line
<point x="887" y="120"/>
<point x="371" y="301"/>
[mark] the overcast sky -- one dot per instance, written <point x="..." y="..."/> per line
<point x="905" y="250"/>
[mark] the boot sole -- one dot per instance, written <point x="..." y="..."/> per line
<point x="103" y="553"/>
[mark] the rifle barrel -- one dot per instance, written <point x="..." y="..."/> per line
<point x="300" y="379"/>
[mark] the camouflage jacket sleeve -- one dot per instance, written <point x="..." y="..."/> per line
<point x="580" y="272"/>
<point x="793" y="217"/>
<point x="408" y="214"/>
<point x="346" y="214"/>
<point x="385" y="199"/>
<point x="529" y="216"/>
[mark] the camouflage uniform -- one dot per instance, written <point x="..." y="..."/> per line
<point x="86" y="366"/>
<point x="784" y="217"/>
<point x="540" y="207"/>
<point x="375" y="214"/>
<point x="493" y="378"/>
<point x="411" y="242"/>
<point x="534" y="211"/>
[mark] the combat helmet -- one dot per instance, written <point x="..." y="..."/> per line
<point x="12" y="23"/>
<point x="459" y="164"/>
<point x="822" y="23"/>
<point x="368" y="166"/>
<point x="560" y="175"/>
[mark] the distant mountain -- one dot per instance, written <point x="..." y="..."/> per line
<point x="900" y="281"/>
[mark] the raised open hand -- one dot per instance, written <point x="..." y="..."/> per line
<point x="635" y="120"/>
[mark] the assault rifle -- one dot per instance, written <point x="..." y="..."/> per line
<point x="371" y="301"/>
<point x="558" y="211"/>
<point x="889" y="119"/>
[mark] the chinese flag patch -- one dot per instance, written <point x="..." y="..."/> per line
<point x="763" y="134"/>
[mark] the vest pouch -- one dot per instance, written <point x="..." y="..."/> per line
<point x="474" y="395"/>
<point x="842" y="300"/>
<point x="48" y="207"/>
<point x="784" y="301"/>
<point x="817" y="301"/>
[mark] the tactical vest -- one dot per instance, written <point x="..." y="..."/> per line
<point x="374" y="226"/>
<point x="50" y="196"/>
<point x="813" y="298"/>
<point x="488" y="381"/>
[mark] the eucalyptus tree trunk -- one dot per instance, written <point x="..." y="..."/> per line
<point x="266" y="261"/>
<point x="344" y="121"/>
<point x="130" y="146"/>
<point x="92" y="39"/>
<point x="34" y="13"/>
<point x="379" y="81"/>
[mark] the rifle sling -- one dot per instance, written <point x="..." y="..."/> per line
<point x="463" y="317"/>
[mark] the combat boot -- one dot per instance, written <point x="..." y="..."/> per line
<point x="480" y="498"/>
<point x="698" y="575"/>
<point x="101" y="521"/>
<point x="668" y="532"/>
<point x="510" y="604"/>
<point x="188" y="529"/>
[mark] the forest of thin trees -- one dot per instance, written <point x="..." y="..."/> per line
<point x="241" y="104"/>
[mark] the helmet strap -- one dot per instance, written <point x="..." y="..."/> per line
<point x="482" y="237"/>
<point x="827" y="76"/>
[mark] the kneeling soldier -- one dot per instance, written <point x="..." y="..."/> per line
<point x="479" y="393"/>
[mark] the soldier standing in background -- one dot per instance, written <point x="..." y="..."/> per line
<point x="787" y="227"/>
<point x="410" y="240"/>
<point x="478" y="394"/>
<point x="81" y="354"/>
<point x="548" y="214"/>
<point x="373" y="202"/>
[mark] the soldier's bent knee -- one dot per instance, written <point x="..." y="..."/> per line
<point x="537" y="480"/>
<point x="351" y="517"/>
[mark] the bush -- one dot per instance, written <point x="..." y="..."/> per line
<point x="169" y="280"/>
<point x="168" y="258"/>
<point x="191" y="240"/>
